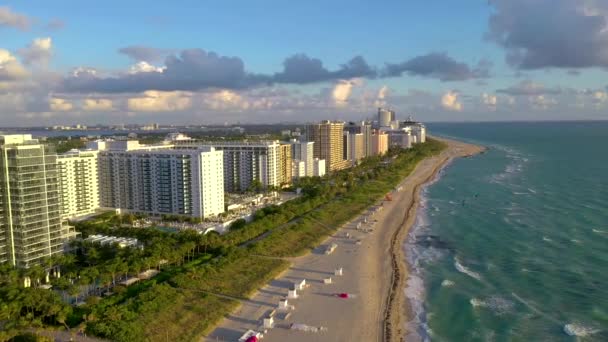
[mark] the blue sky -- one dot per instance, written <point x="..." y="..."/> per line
<point x="456" y="61"/>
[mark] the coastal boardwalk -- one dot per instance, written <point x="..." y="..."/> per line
<point x="367" y="275"/>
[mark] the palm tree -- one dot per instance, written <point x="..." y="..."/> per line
<point x="36" y="274"/>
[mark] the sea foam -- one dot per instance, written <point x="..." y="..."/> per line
<point x="496" y="304"/>
<point x="576" y="329"/>
<point x="415" y="292"/>
<point x="447" y="283"/>
<point x="463" y="269"/>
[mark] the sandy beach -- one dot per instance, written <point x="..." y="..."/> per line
<point x="374" y="275"/>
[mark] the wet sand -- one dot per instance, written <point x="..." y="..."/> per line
<point x="374" y="275"/>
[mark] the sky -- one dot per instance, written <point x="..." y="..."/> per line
<point x="211" y="62"/>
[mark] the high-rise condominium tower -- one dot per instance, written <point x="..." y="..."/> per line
<point x="328" y="139"/>
<point x="31" y="227"/>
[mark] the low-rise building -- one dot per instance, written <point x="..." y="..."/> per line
<point x="122" y="242"/>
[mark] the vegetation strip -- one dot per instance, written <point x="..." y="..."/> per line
<point x="177" y="304"/>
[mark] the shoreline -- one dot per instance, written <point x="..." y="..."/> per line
<point x="398" y="310"/>
<point x="375" y="273"/>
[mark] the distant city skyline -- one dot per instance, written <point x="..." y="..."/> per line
<point x="67" y="62"/>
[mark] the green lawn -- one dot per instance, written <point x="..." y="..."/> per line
<point x="237" y="275"/>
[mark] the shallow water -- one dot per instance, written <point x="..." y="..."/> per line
<point x="519" y="237"/>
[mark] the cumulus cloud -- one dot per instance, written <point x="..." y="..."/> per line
<point x="541" y="102"/>
<point x="451" y="101"/>
<point x="529" y="88"/>
<point x="144" y="67"/>
<point x="8" y="18"/>
<point x="38" y="52"/>
<point x="10" y="68"/>
<point x="551" y="33"/>
<point x="598" y="97"/>
<point x="225" y="100"/>
<point x="144" y="53"/>
<point x="383" y="93"/>
<point x="439" y="66"/>
<point x="100" y="105"/>
<point x="60" y="105"/>
<point x="489" y="100"/>
<point x="342" y="91"/>
<point x="160" y="101"/>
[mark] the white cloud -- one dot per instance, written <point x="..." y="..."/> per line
<point x="224" y="99"/>
<point x="9" y="18"/>
<point x="101" y="105"/>
<point x="343" y="90"/>
<point x="144" y="67"/>
<point x="600" y="96"/>
<point x="84" y="72"/>
<point x="489" y="100"/>
<point x="60" y="105"/>
<point x="383" y="93"/>
<point x="450" y="101"/>
<point x="541" y="102"/>
<point x="10" y="68"/>
<point x="38" y="52"/>
<point x="381" y="97"/>
<point x="160" y="101"/>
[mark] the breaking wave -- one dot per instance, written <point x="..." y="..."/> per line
<point x="576" y="329"/>
<point x="463" y="269"/>
<point x="496" y="304"/>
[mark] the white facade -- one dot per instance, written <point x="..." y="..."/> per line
<point x="417" y="129"/>
<point x="303" y="151"/>
<point x="162" y="179"/>
<point x="79" y="183"/>
<point x="247" y="162"/>
<point x="299" y="169"/>
<point x="319" y="167"/>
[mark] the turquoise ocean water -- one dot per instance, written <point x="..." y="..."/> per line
<point x="512" y="245"/>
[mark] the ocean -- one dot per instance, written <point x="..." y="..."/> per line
<point x="512" y="244"/>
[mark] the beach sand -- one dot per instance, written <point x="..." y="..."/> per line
<point x="374" y="275"/>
